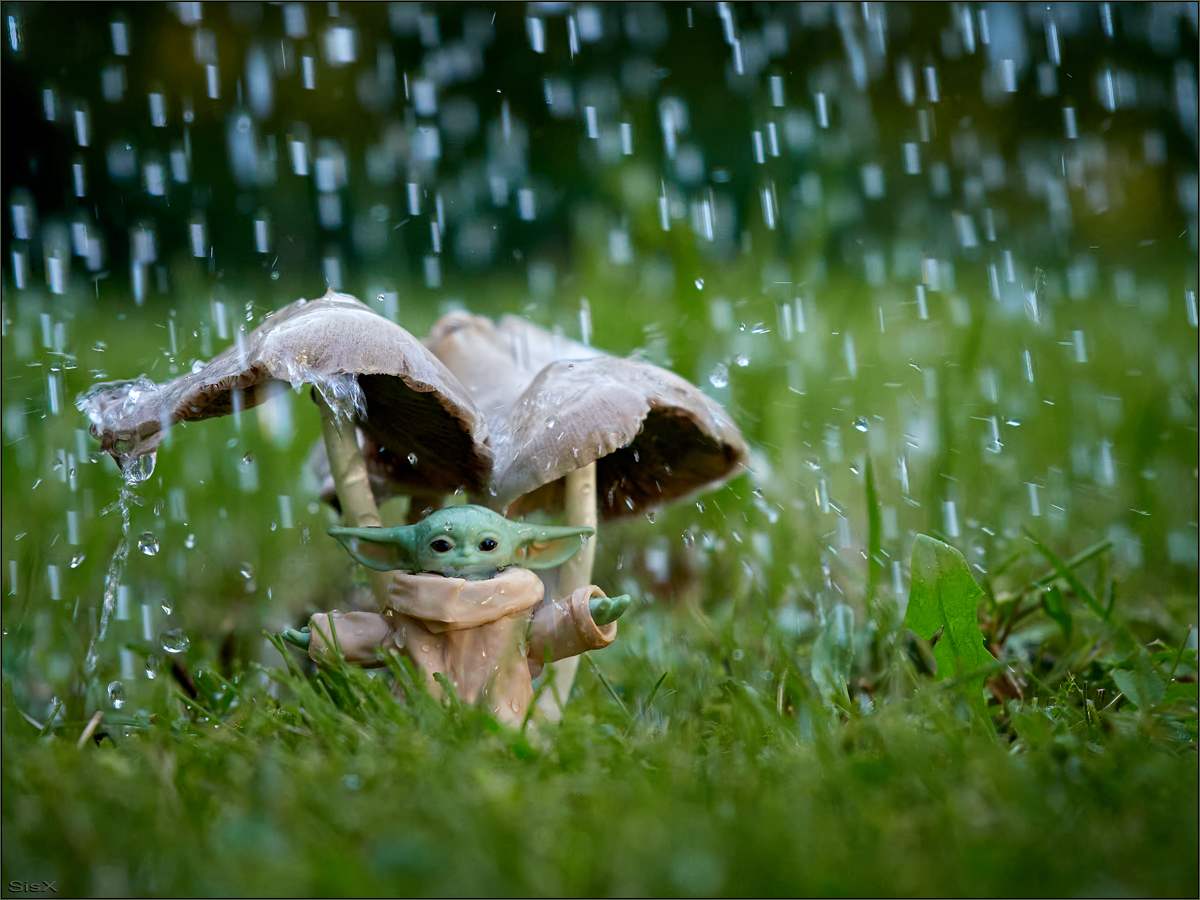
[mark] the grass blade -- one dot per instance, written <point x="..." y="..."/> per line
<point x="1064" y="571"/>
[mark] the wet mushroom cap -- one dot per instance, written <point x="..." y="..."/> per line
<point x="555" y="405"/>
<point x="655" y="437"/>
<point x="365" y="366"/>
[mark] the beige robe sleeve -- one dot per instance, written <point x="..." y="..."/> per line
<point x="566" y="628"/>
<point x="359" y="634"/>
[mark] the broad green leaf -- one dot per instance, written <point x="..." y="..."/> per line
<point x="1142" y="685"/>
<point x="945" y="596"/>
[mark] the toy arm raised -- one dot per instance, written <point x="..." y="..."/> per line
<point x="583" y="621"/>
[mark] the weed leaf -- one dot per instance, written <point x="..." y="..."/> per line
<point x="945" y="596"/>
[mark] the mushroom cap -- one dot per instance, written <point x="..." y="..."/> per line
<point x="366" y="367"/>
<point x="555" y="405"/>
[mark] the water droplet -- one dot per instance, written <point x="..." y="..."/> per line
<point x="151" y="666"/>
<point x="688" y="539"/>
<point x="116" y="694"/>
<point x="174" y="641"/>
<point x="77" y="559"/>
<point x="139" y="468"/>
<point x="57" y="464"/>
<point x="246" y="570"/>
<point x="1013" y="422"/>
<point x="650" y="517"/>
<point x="190" y="542"/>
<point x="699" y="284"/>
<point x="412" y="459"/>
<point x="148" y="543"/>
<point x="719" y="376"/>
<point x="854" y="468"/>
<point x="549" y="424"/>
<point x="860" y="424"/>
<point x="742" y="360"/>
<point x="814" y="463"/>
<point x="247" y="459"/>
<point x="274" y="525"/>
<point x="166" y="605"/>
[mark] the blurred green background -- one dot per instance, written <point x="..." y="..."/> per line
<point x="956" y="242"/>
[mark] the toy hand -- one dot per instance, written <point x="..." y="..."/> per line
<point x="299" y="638"/>
<point x="608" y="609"/>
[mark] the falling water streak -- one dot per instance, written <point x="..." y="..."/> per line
<point x="115" y="567"/>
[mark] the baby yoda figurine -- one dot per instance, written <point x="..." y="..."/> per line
<point x="464" y="603"/>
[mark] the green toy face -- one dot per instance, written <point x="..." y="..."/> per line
<point x="462" y="542"/>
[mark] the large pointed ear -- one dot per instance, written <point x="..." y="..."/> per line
<point x="548" y="546"/>
<point x="382" y="549"/>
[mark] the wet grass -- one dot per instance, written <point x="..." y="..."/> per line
<point x="765" y="725"/>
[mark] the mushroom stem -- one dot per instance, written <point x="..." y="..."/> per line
<point x="575" y="573"/>
<point x="349" y="471"/>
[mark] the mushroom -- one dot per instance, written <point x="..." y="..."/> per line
<point x="365" y="371"/>
<point x="602" y="436"/>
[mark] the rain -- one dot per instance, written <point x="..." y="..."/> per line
<point x="939" y="258"/>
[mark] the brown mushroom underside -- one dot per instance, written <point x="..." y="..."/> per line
<point x="555" y="405"/>
<point x="411" y="403"/>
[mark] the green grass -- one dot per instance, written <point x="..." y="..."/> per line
<point x="764" y="725"/>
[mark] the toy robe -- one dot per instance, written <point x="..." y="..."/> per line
<point x="489" y="637"/>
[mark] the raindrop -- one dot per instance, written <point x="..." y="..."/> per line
<point x="138" y="469"/>
<point x="248" y="459"/>
<point x="719" y="376"/>
<point x="860" y="424"/>
<point x="174" y="641"/>
<point x="148" y="543"/>
<point x="190" y="542"/>
<point x="814" y="463"/>
<point x="650" y="516"/>
<point x="166" y="605"/>
<point x="699" y="284"/>
<point x="742" y="360"/>
<point x="77" y="559"/>
<point x="246" y="570"/>
<point x="412" y="459"/>
<point x="688" y="539"/>
<point x="116" y="694"/>
<point x="151" y="666"/>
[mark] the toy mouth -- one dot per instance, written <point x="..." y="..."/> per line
<point x="472" y="573"/>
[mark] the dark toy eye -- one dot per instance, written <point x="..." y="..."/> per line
<point x="440" y="546"/>
<point x="487" y="545"/>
